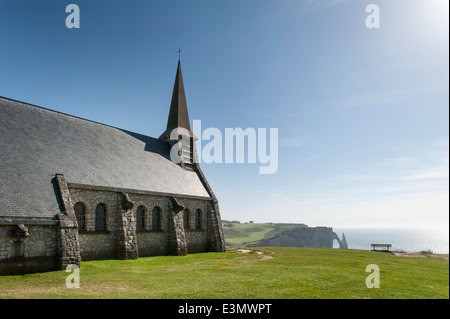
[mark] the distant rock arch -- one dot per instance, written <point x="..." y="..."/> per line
<point x="342" y="242"/>
<point x="305" y="237"/>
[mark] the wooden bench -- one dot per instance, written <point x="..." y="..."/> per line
<point x="386" y="246"/>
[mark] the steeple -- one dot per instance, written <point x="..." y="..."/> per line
<point x="178" y="115"/>
<point x="178" y="121"/>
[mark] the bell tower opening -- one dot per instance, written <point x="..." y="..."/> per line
<point x="178" y="129"/>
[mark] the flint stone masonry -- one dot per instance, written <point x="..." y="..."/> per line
<point x="126" y="228"/>
<point x="57" y="245"/>
<point x="152" y="243"/>
<point x="97" y="244"/>
<point x="122" y="240"/>
<point x="196" y="241"/>
<point x="177" y="244"/>
<point x="39" y="249"/>
<point x="67" y="239"/>
<point x="40" y="243"/>
<point x="216" y="239"/>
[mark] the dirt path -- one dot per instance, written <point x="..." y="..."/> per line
<point x="249" y="251"/>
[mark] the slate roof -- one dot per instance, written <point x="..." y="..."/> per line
<point x="37" y="143"/>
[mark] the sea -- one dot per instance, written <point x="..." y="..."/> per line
<point x="404" y="239"/>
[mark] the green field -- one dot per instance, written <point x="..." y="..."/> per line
<point x="245" y="235"/>
<point x="277" y="273"/>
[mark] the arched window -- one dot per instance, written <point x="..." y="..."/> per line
<point x="17" y="249"/>
<point x="198" y="219"/>
<point x="100" y="217"/>
<point x="140" y="218"/>
<point x="156" y="218"/>
<point x="80" y="213"/>
<point x="187" y="219"/>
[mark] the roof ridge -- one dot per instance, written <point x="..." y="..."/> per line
<point x="70" y="115"/>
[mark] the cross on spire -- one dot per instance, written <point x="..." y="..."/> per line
<point x="179" y="53"/>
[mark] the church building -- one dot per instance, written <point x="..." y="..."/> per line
<point x="72" y="189"/>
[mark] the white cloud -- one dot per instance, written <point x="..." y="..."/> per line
<point x="429" y="162"/>
<point x="293" y="142"/>
<point x="314" y="156"/>
<point x="430" y="174"/>
<point x="297" y="140"/>
<point x="376" y="98"/>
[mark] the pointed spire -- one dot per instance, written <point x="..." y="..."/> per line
<point x="178" y="126"/>
<point x="178" y="115"/>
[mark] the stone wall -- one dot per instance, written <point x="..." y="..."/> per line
<point x="215" y="236"/>
<point x="150" y="241"/>
<point x="196" y="241"/>
<point x="54" y="244"/>
<point x="126" y="244"/>
<point x="25" y="254"/>
<point x="67" y="232"/>
<point x="97" y="244"/>
<point x="41" y="242"/>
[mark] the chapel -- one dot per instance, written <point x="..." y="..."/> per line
<point x="72" y="189"/>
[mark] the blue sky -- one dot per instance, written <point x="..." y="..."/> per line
<point x="362" y="113"/>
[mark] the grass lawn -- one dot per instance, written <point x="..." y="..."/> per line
<point x="278" y="273"/>
<point x="240" y="235"/>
